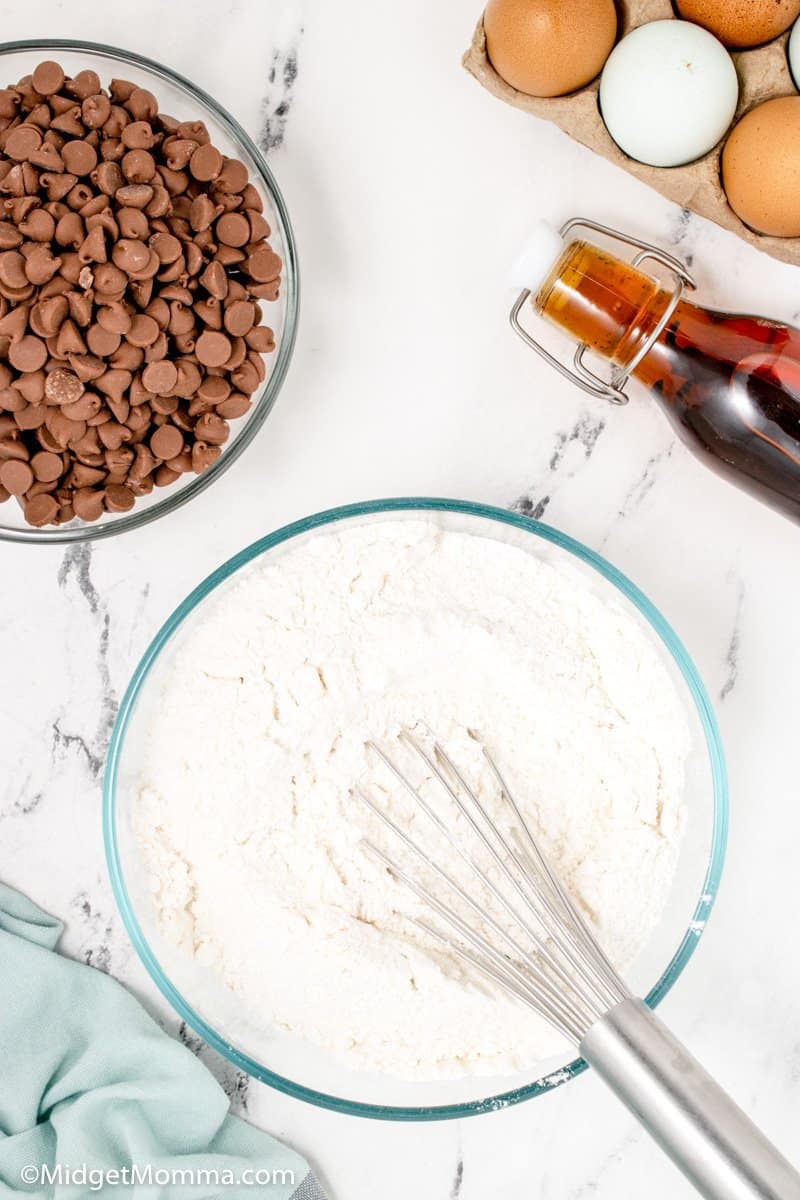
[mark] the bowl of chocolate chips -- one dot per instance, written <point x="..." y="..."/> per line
<point x="148" y="291"/>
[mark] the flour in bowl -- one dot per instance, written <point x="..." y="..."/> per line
<point x="246" y="816"/>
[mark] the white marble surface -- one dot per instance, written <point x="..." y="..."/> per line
<point x="410" y="188"/>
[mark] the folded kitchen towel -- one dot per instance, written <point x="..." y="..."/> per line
<point x="96" y="1099"/>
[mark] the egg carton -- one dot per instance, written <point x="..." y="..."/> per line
<point x="763" y="74"/>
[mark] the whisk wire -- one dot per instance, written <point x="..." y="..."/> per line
<point x="536" y="900"/>
<point x="548" y="993"/>
<point x="531" y="991"/>
<point x="569" y="1031"/>
<point x="456" y="844"/>
<point x="589" y="949"/>
<point x="591" y="996"/>
<point x="565" y="977"/>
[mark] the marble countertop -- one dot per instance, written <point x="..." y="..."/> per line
<point x="410" y="189"/>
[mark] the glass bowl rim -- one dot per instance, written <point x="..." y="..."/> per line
<point x="548" y="533"/>
<point x="88" y="532"/>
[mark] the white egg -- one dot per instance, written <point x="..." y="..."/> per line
<point x="793" y="52"/>
<point x="668" y="93"/>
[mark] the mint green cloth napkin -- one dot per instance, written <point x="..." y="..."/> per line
<point x="89" y="1084"/>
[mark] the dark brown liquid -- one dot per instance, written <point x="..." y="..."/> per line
<point x="730" y="384"/>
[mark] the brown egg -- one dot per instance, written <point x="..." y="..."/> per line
<point x="741" y="22"/>
<point x="761" y="167"/>
<point x="548" y="47"/>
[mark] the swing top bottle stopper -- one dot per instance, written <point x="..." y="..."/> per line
<point x="729" y="383"/>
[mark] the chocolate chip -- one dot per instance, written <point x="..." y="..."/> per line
<point x="165" y="405"/>
<point x="84" y="409"/>
<point x="143" y="463"/>
<point x="143" y="331"/>
<point x="115" y="317"/>
<point x="259" y="229"/>
<point x="235" y="406"/>
<point x="11" y="400"/>
<point x="22" y="142"/>
<point x="212" y="349"/>
<point x="119" y="498"/>
<point x="41" y="510"/>
<point x="142" y="104"/>
<point x="109" y="283"/>
<point x="167" y="247"/>
<point x="112" y="434"/>
<point x="261" y="338"/>
<point x="138" y="166"/>
<point x="80" y="158"/>
<point x="166" y="442"/>
<point x="141" y="487"/>
<point x="88" y="503"/>
<point x="130" y="255"/>
<point x="160" y="377"/>
<point x="108" y="178"/>
<point x="263" y="264"/>
<point x="10" y="236"/>
<point x="69" y="340"/>
<point x="12" y="269"/>
<point x="28" y="354"/>
<point x="31" y="386"/>
<point x="239" y="317"/>
<point x="134" y="195"/>
<point x="30" y="417"/>
<point x="86" y="83"/>
<point x="62" y="387"/>
<point x="212" y="428"/>
<point x="205" y="163"/>
<point x="215" y="280"/>
<point x="138" y="135"/>
<point x="181" y="463"/>
<point x="46" y="466"/>
<point x="164" y="476"/>
<point x="233" y="229"/>
<point x="114" y="383"/>
<point x="214" y="389"/>
<point x="38" y="226"/>
<point x="47" y="78"/>
<point x="16" y="476"/>
<point x="119" y="462"/>
<point x="203" y="456"/>
<point x="102" y="342"/>
<point x="233" y="176"/>
<point x="95" y="111"/>
<point x="41" y="265"/>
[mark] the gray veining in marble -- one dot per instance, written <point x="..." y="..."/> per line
<point x="75" y="582"/>
<point x="571" y="449"/>
<point x="732" y="654"/>
<point x="277" y="103"/>
<point x="646" y="482"/>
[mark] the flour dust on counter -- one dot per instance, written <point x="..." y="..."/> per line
<point x="252" y="836"/>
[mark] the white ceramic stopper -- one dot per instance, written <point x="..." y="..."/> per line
<point x="536" y="258"/>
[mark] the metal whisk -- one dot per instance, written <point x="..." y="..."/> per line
<point x="510" y="917"/>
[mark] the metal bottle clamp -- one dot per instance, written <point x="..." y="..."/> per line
<point x="613" y="389"/>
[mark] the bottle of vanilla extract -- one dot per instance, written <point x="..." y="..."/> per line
<point x="729" y="383"/>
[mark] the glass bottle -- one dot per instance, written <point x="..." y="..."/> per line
<point x="728" y="383"/>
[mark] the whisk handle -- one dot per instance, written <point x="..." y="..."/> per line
<point x="705" y="1134"/>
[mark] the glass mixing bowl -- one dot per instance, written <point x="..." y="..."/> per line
<point x="285" y="1061"/>
<point x="184" y="100"/>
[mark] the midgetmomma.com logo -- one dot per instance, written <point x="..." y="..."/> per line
<point x="94" y="1179"/>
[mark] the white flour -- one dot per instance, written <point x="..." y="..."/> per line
<point x="250" y="830"/>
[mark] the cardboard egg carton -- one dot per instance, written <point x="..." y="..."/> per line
<point x="763" y="74"/>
